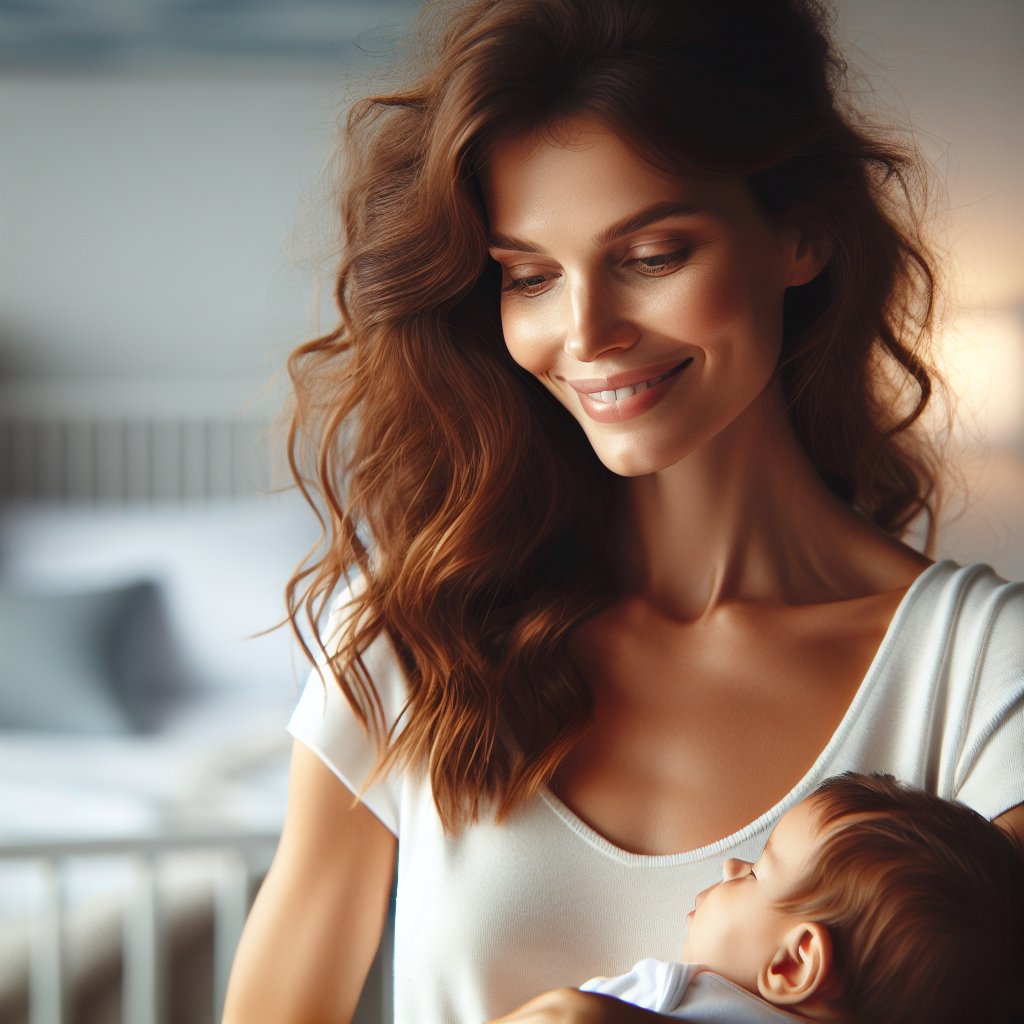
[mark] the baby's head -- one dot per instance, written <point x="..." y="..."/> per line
<point x="873" y="902"/>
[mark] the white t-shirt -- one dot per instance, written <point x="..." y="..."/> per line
<point x="688" y="992"/>
<point x="490" y="917"/>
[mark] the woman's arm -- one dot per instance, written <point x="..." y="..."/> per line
<point x="317" y="921"/>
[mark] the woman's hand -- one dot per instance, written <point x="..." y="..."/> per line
<point x="571" y="1006"/>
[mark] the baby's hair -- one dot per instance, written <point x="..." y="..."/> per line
<point x="924" y="900"/>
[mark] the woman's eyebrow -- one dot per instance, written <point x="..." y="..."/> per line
<point x="632" y="222"/>
<point x="648" y="215"/>
<point x="499" y="241"/>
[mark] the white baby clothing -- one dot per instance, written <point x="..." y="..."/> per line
<point x="688" y="992"/>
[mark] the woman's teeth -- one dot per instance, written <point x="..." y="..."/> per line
<point x="618" y="394"/>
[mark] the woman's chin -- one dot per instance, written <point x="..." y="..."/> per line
<point x="634" y="459"/>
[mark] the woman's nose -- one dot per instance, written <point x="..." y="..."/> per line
<point x="732" y="868"/>
<point x="597" y="325"/>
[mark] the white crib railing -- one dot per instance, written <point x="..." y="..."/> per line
<point x="235" y="861"/>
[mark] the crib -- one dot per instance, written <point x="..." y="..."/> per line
<point x="135" y="930"/>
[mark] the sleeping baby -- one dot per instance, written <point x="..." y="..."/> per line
<point x="872" y="902"/>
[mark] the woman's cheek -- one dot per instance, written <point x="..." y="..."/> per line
<point x="524" y="341"/>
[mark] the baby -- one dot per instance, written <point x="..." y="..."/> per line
<point x="872" y="902"/>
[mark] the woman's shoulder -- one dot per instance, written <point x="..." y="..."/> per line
<point x="325" y="721"/>
<point x="971" y="593"/>
<point x="377" y="657"/>
<point x="959" y="622"/>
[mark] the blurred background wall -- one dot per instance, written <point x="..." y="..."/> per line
<point x="162" y="208"/>
<point x="951" y="71"/>
<point x="159" y="162"/>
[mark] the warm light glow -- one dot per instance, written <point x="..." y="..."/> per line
<point x="981" y="356"/>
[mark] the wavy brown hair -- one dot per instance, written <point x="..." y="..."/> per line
<point x="467" y="498"/>
<point x="924" y="901"/>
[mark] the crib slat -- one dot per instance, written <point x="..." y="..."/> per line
<point x="143" y="988"/>
<point x="47" y="990"/>
<point x="231" y="905"/>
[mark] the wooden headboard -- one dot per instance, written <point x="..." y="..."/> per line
<point x="133" y="460"/>
<point x="95" y="445"/>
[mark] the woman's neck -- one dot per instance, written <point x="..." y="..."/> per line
<point x="747" y="518"/>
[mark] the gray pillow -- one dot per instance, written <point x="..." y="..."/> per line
<point x="91" y="662"/>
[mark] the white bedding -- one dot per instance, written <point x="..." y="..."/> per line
<point x="218" y="764"/>
<point x="218" y="760"/>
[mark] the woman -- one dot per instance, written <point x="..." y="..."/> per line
<point x="616" y="440"/>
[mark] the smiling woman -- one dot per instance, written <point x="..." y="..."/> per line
<point x="615" y="446"/>
<point x="664" y="292"/>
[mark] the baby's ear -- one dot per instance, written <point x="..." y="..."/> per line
<point x="800" y="967"/>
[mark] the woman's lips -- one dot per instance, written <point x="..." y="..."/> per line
<point x="625" y="395"/>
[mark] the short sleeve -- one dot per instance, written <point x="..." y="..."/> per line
<point x="324" y="722"/>
<point x="991" y="765"/>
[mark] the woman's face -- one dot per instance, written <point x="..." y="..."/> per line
<point x="650" y="306"/>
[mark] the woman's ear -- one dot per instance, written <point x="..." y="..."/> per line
<point x="806" y="256"/>
<point x="800" y="967"/>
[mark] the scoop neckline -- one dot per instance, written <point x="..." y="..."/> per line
<point x="803" y="786"/>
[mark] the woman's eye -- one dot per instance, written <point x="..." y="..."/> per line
<point x="660" y="263"/>
<point x="534" y="284"/>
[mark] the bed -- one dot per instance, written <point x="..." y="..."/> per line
<point x="143" y="754"/>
